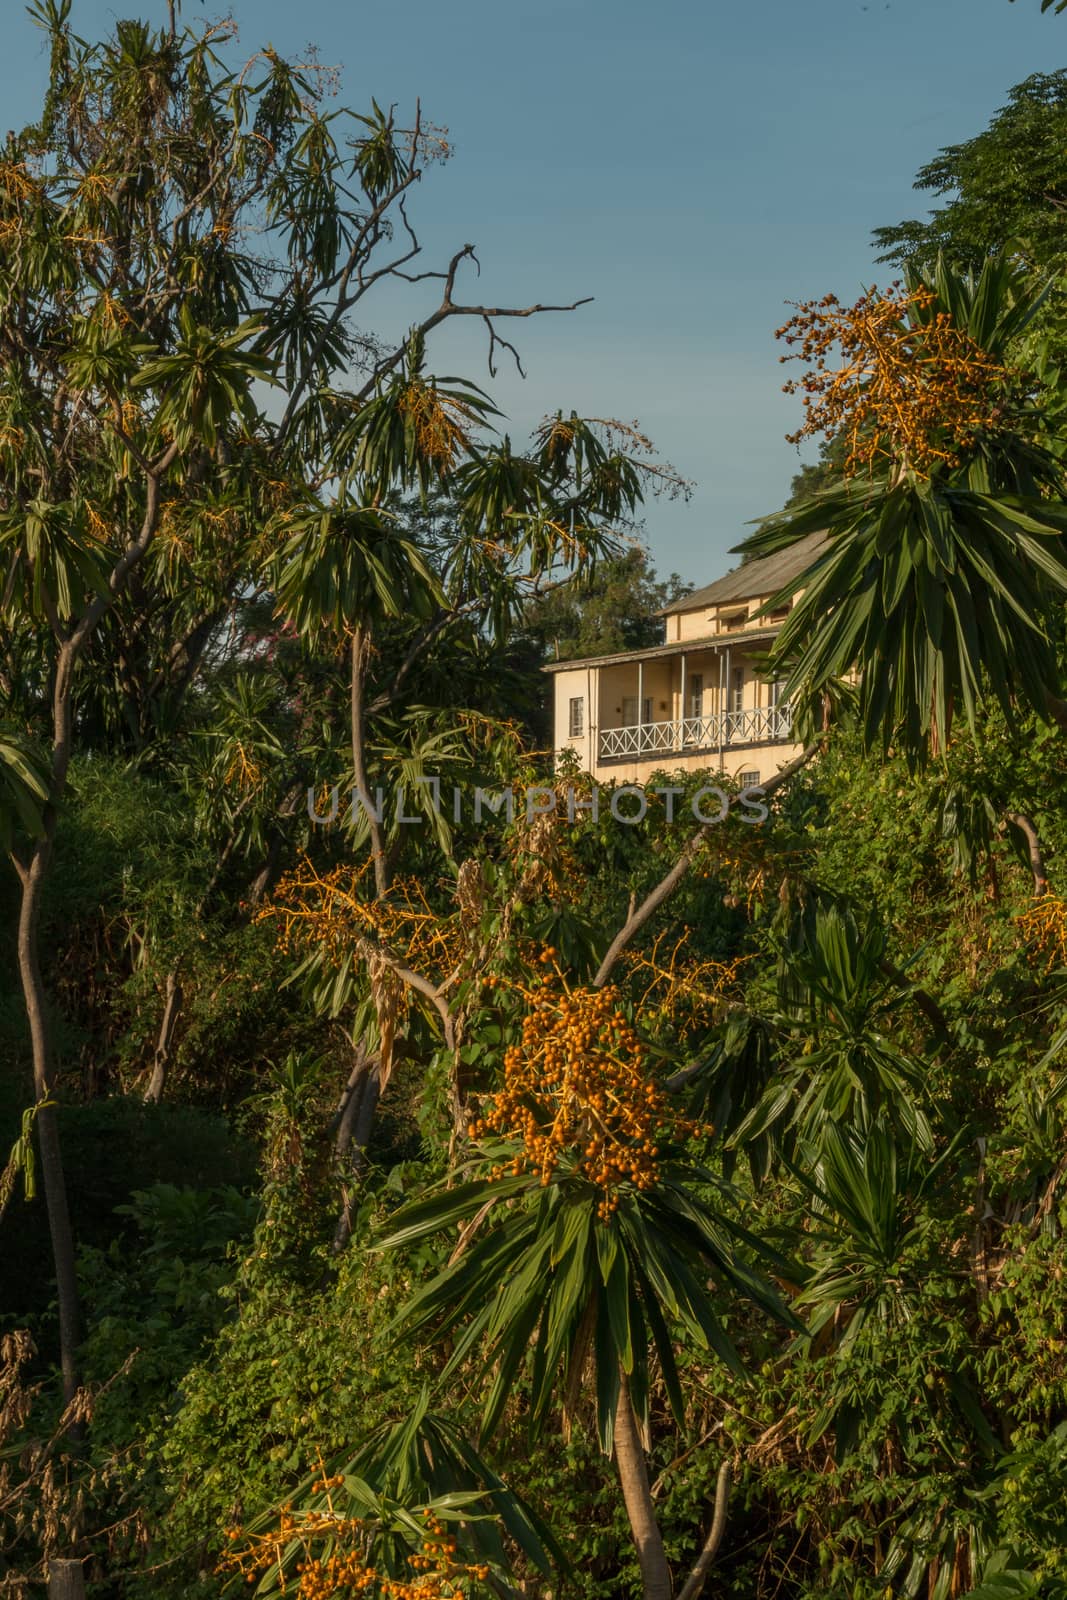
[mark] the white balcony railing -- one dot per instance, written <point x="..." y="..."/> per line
<point x="764" y="725"/>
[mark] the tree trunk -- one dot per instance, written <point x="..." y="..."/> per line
<point x="633" y="1480"/>
<point x="54" y="1184"/>
<point x="693" y="1587"/>
<point x="353" y="1135"/>
<point x="66" y="1580"/>
<point x="1025" y="825"/>
<point x="31" y="876"/>
<point x="171" y="1012"/>
<point x="360" y="652"/>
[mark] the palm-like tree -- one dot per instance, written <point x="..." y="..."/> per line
<point x="939" y="581"/>
<point x="834" y="1060"/>
<point x="877" y="1248"/>
<point x="542" y="1279"/>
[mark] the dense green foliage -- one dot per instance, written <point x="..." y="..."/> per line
<point x="930" y="1278"/>
<point x="472" y="1196"/>
<point x="1006" y="186"/>
<point x="615" y="607"/>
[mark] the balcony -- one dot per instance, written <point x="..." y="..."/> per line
<point x="692" y="735"/>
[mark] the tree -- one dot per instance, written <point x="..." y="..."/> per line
<point x="178" y="236"/>
<point x="612" y="607"/>
<point x="945" y="562"/>
<point x="1008" y="187"/>
<point x="1053" y="5"/>
<point x="343" y="572"/>
<point x="586" y="1233"/>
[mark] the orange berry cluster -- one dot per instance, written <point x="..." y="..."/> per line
<point x="344" y="1569"/>
<point x="579" y="1089"/>
<point x="244" y="771"/>
<point x="333" y="911"/>
<point x="440" y="421"/>
<point x="911" y="388"/>
<point x="1044" y="926"/>
<point x="677" y="986"/>
<point x="17" y="183"/>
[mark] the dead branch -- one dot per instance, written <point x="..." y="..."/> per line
<point x="658" y="896"/>
<point x="1019" y="820"/>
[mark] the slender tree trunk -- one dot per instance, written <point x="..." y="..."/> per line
<point x="171" y="1012"/>
<point x="54" y="1184"/>
<point x="267" y="875"/>
<point x="364" y="1084"/>
<point x="633" y="1480"/>
<point x="32" y="876"/>
<point x="360" y="652"/>
<point x="637" y="916"/>
<point x="1057" y="709"/>
<point x="353" y="1135"/>
<point x="693" y="1587"/>
<point x="1026" y="827"/>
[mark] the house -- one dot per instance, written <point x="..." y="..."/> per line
<point x="697" y="701"/>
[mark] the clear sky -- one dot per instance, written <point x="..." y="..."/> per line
<point x="693" y="166"/>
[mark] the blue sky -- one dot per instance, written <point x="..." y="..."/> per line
<point x="693" y="166"/>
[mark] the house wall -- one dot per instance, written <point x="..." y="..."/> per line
<point x="619" y="683"/>
<point x="705" y="621"/>
<point x="765" y="759"/>
<point x="605" y="690"/>
<point x="694" y="624"/>
<point x="575" y="682"/>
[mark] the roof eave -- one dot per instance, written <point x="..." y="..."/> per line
<point x="677" y="647"/>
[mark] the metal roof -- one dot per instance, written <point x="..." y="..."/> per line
<point x="753" y="578"/>
<point x="677" y="647"/>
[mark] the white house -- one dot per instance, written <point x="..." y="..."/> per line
<point x="696" y="701"/>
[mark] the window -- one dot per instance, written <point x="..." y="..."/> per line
<point x="734" y="621"/>
<point x="576" y="717"/>
<point x="629" y="711"/>
<point x="696" y="696"/>
<point x="778" y="616"/>
<point x="748" y="780"/>
<point x="737" y="689"/>
<point x="646" y="714"/>
<point x="776" y="692"/>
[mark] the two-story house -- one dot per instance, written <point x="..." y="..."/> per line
<point x="697" y="701"/>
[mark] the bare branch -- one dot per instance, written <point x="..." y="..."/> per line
<point x="416" y="981"/>
<point x="667" y="885"/>
<point x="506" y="344"/>
<point x="1025" y="825"/>
<point x="694" y="1584"/>
<point x="420" y="644"/>
<point x="449" y="307"/>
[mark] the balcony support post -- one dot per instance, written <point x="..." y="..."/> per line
<point x="640" y="700"/>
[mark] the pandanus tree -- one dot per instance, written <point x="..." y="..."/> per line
<point x="511" y="524"/>
<point x="178" y="237"/>
<point x="944" y="567"/>
<point x="832" y="1056"/>
<point x="589" y="1238"/>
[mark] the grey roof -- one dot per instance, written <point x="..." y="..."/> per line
<point x="764" y="576"/>
<point x="678" y="647"/>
